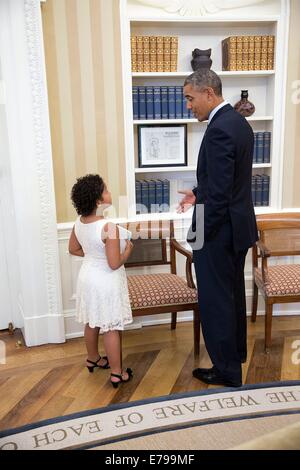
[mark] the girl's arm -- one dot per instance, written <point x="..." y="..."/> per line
<point x="74" y="246"/>
<point x="112" y="247"/>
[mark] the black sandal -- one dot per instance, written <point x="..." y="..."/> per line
<point x="116" y="384"/>
<point x="95" y="364"/>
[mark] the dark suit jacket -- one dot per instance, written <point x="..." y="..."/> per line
<point x="224" y="175"/>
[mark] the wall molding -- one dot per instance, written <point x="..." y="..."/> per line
<point x="42" y="148"/>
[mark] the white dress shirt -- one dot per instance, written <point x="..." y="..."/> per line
<point x="215" y="110"/>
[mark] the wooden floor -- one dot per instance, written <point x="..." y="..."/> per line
<point x="48" y="381"/>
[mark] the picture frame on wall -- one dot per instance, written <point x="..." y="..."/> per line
<point x="162" y="145"/>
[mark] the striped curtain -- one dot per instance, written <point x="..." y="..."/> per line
<point x="83" y="66"/>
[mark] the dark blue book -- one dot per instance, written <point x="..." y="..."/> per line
<point x="164" y="102"/>
<point x="149" y="102"/>
<point x="157" y="102"/>
<point x="258" y="191"/>
<point x="159" y="195"/>
<point x="191" y="116"/>
<point x="178" y="102"/>
<point x="145" y="197"/>
<point x="135" y="102"/>
<point x="151" y="189"/>
<point x="267" y="147"/>
<point x="138" y="196"/>
<point x="185" y="111"/>
<point x="253" y="189"/>
<point x="260" y="147"/>
<point x="166" y="196"/>
<point x="171" y="95"/>
<point x="255" y="148"/>
<point x="265" y="190"/>
<point x="142" y="102"/>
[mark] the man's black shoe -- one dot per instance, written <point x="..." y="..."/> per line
<point x="211" y="377"/>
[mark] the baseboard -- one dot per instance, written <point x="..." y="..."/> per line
<point x="73" y="329"/>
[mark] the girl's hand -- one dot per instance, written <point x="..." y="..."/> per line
<point x="129" y="247"/>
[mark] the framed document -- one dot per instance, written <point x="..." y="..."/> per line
<point x="162" y="145"/>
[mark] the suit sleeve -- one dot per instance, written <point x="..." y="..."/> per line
<point x="220" y="151"/>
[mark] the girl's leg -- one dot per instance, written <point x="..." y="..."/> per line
<point x="112" y="345"/>
<point x="91" y="336"/>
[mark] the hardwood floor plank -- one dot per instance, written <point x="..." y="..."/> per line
<point x="266" y="367"/>
<point x="37" y="397"/>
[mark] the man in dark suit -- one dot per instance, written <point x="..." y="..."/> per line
<point x="224" y="174"/>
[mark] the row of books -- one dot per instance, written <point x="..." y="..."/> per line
<point x="260" y="190"/>
<point x="262" y="147"/>
<point x="154" y="53"/>
<point x="159" y="102"/>
<point x="152" y="196"/>
<point x="248" y="53"/>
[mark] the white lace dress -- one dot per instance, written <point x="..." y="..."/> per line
<point x="102" y="298"/>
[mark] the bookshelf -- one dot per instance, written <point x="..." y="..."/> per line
<point x="266" y="87"/>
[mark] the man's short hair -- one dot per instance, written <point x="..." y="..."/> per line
<point x="203" y="78"/>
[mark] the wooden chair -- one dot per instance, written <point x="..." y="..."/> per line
<point x="280" y="283"/>
<point x="165" y="292"/>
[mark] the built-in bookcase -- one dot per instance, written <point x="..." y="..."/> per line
<point x="266" y="88"/>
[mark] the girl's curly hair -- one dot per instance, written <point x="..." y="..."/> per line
<point x="86" y="192"/>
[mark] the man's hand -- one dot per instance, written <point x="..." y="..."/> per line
<point x="187" y="201"/>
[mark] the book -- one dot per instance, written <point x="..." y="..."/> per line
<point x="171" y="99"/>
<point x="157" y="102"/>
<point x="260" y="147"/>
<point x="178" y="102"/>
<point x="135" y="102"/>
<point x="139" y="54"/>
<point x="142" y="102"/>
<point x="133" y="54"/>
<point x="164" y="102"/>
<point x="153" y="55"/>
<point x="151" y="195"/>
<point x="266" y="147"/>
<point x="271" y="52"/>
<point x="160" y="53"/>
<point x="159" y="195"/>
<point x="138" y="196"/>
<point x="167" y="53"/>
<point x="174" y="53"/>
<point x="257" y="53"/>
<point x="229" y="53"/>
<point x="166" y="195"/>
<point x="145" y="197"/>
<point x="239" y="52"/>
<point x="265" y="190"/>
<point x="258" y="191"/>
<point x="255" y="148"/>
<point x="149" y="102"/>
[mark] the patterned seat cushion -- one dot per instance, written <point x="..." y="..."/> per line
<point x="154" y="290"/>
<point x="283" y="279"/>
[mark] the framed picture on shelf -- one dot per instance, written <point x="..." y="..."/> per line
<point x="162" y="145"/>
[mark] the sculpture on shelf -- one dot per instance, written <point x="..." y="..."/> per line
<point x="244" y="106"/>
<point x="197" y="7"/>
<point x="201" y="59"/>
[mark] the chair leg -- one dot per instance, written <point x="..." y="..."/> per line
<point x="196" y="325"/>
<point x="174" y="320"/>
<point x="254" y="302"/>
<point x="268" y="326"/>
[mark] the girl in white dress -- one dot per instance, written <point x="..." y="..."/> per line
<point x="102" y="300"/>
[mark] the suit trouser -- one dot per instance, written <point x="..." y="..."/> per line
<point x="222" y="304"/>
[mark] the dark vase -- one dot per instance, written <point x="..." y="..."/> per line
<point x="244" y="106"/>
<point x="201" y="59"/>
